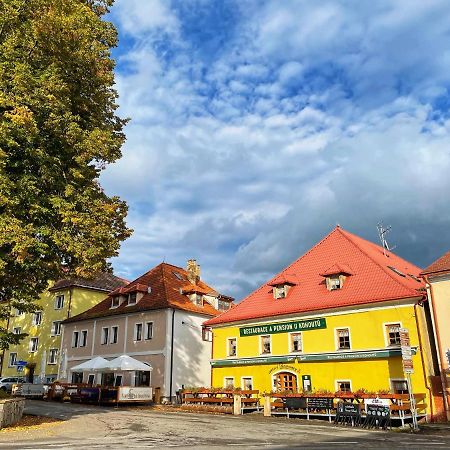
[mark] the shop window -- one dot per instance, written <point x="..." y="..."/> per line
<point x="77" y="377"/>
<point x="247" y="383"/>
<point x="148" y="331"/>
<point x="232" y="347"/>
<point x="59" y="302"/>
<point x="56" y="328"/>
<point x="296" y="342"/>
<point x="105" y="336"/>
<point x="393" y="334"/>
<point x="75" y="339"/>
<point x="12" y="359"/>
<point x="37" y="318"/>
<point x="207" y="334"/>
<point x="265" y="344"/>
<point x="138" y="332"/>
<point x="34" y="343"/>
<point x="399" y="386"/>
<point x="53" y="356"/>
<point x="343" y="338"/>
<point x="132" y="299"/>
<point x="228" y="383"/>
<point x="114" y="334"/>
<point x="83" y="338"/>
<point x="344" y="386"/>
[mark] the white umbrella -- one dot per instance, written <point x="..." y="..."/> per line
<point x="43" y="366"/>
<point x="93" y="364"/>
<point x="125" y="363"/>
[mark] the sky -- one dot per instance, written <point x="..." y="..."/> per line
<point x="257" y="126"/>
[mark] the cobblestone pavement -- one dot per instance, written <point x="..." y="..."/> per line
<point x="94" y="427"/>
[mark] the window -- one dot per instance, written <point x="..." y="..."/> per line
<point x="37" y="318"/>
<point x="91" y="379"/>
<point x="343" y="338"/>
<point x="19" y="312"/>
<point x="247" y="383"/>
<point x="296" y="342"/>
<point x="83" y="338"/>
<point x="232" y="347"/>
<point x="12" y="359"/>
<point x="223" y="305"/>
<point x="280" y="291"/>
<point x="393" y="334"/>
<point x="132" y="299"/>
<point x="53" y="356"/>
<point x="148" y="330"/>
<point x="228" y="383"/>
<point x="344" y="386"/>
<point x="198" y="299"/>
<point x="77" y="377"/>
<point x="105" y="335"/>
<point x="56" y="328"/>
<point x="115" y="302"/>
<point x="114" y="334"/>
<point x="59" y="302"/>
<point x="34" y="342"/>
<point x="118" y="380"/>
<point x="334" y="283"/>
<point x="265" y="344"/>
<point x="17" y="330"/>
<point x="138" y="332"/>
<point x="75" y="339"/>
<point x="399" y="386"/>
<point x="207" y="334"/>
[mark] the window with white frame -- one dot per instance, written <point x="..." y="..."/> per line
<point x="53" y="356"/>
<point x="75" y="339"/>
<point x="296" y="342"/>
<point x="83" y="338"/>
<point x="393" y="334"/>
<point x="105" y="336"/>
<point x="334" y="283"/>
<point x="17" y="330"/>
<point x="344" y="385"/>
<point x="138" y="332"/>
<point x="399" y="386"/>
<point x="223" y="305"/>
<point x="12" y="359"/>
<point x="56" y="328"/>
<point x="198" y="299"/>
<point x="280" y="291"/>
<point x="37" y="318"/>
<point x="231" y="347"/>
<point x="265" y="344"/>
<point x="59" y="301"/>
<point x="207" y="334"/>
<point x="114" y="335"/>
<point x="132" y="298"/>
<point x="19" y="312"/>
<point x="148" y="330"/>
<point x="247" y="383"/>
<point x="33" y="346"/>
<point x="115" y="302"/>
<point x="343" y="338"/>
<point x="228" y="382"/>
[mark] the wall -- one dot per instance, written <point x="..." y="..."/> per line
<point x="11" y="411"/>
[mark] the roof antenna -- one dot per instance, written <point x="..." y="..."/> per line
<point x="382" y="232"/>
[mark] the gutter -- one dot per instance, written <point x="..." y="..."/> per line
<point x="171" y="356"/>
<point x="438" y="341"/>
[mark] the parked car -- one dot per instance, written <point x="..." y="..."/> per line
<point x="6" y="383"/>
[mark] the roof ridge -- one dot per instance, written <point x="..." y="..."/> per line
<point x="349" y="237"/>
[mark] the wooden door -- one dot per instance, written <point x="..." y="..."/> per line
<point x="286" y="381"/>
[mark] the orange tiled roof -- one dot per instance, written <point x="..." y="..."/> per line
<point x="372" y="280"/>
<point x="441" y="265"/>
<point x="284" y="278"/>
<point x="165" y="281"/>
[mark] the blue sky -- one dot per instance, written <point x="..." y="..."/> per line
<point x="257" y="126"/>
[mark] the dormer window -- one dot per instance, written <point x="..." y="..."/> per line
<point x="334" y="283"/>
<point x="280" y="291"/>
<point x="281" y="285"/>
<point x="336" y="275"/>
<point x="132" y="298"/>
<point x="198" y="299"/>
<point x="115" y="302"/>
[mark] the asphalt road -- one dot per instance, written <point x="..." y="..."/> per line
<point x="94" y="427"/>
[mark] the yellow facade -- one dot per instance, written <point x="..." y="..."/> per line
<point x="371" y="363"/>
<point x="76" y="300"/>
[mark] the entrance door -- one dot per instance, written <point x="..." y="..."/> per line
<point x="286" y="381"/>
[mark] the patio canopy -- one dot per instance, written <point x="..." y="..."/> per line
<point x="125" y="363"/>
<point x="93" y="364"/>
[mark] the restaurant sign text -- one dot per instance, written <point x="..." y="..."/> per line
<point x="284" y="327"/>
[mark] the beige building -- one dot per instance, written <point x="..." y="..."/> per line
<point x="156" y="319"/>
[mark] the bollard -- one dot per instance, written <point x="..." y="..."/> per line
<point x="237" y="404"/>
<point x="267" y="406"/>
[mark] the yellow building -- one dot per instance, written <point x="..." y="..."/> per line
<point x="331" y="321"/>
<point x="66" y="298"/>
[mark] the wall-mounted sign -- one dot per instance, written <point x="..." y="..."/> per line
<point x="406" y="351"/>
<point x="284" y="327"/>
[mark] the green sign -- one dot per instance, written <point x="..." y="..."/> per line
<point x="284" y="327"/>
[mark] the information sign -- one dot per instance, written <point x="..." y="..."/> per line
<point x="284" y="327"/>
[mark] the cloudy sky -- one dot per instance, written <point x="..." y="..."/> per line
<point x="257" y="126"/>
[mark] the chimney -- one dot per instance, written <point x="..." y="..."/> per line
<point x="193" y="271"/>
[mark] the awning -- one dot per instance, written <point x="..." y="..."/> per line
<point x="125" y="363"/>
<point x="93" y="364"/>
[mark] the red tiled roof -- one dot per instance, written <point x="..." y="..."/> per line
<point x="165" y="281"/>
<point x="441" y="265"/>
<point x="337" y="269"/>
<point x="372" y="281"/>
<point x="284" y="278"/>
<point x="196" y="288"/>
<point x="103" y="282"/>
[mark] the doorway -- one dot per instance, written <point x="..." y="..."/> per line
<point x="285" y="382"/>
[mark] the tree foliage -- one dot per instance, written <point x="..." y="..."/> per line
<point x="58" y="130"/>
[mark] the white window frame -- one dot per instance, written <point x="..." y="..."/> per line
<point x="247" y="378"/>
<point x="15" y="359"/>
<point x="112" y="302"/>
<point x="17" y="328"/>
<point x="31" y="347"/>
<point x="56" y="351"/>
<point x="34" y="321"/>
<point x="386" y="334"/>
<point x="228" y="347"/>
<point x="111" y="334"/>
<point x="80" y="338"/>
<point x="19" y="312"/>
<point x="391" y="380"/>
<point x="58" y="301"/>
<point x="290" y="346"/>
<point x="135" y="339"/>
<point x="75" y="341"/>
<point x="278" y="290"/>
<point x="336" y="384"/>
<point x="116" y="375"/>
<point x="146" y="338"/>
<point x="53" y="331"/>
<point x="225" y="383"/>
<point x="207" y="334"/>
<point x="129" y="298"/>
<point x="261" y="344"/>
<point x="104" y="337"/>
<point x="336" y="339"/>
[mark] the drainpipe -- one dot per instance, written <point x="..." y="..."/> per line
<point x="438" y="341"/>
<point x="419" y="334"/>
<point x="70" y="301"/>
<point x="171" y="356"/>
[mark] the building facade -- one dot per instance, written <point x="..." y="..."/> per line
<point x="330" y="322"/>
<point x="62" y="300"/>
<point x="156" y="319"/>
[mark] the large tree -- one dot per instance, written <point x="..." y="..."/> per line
<point x="58" y="130"/>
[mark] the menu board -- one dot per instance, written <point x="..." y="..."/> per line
<point x="320" y="402"/>
<point x="348" y="409"/>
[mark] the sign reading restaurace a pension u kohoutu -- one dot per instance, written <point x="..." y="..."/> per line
<point x="284" y="327"/>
